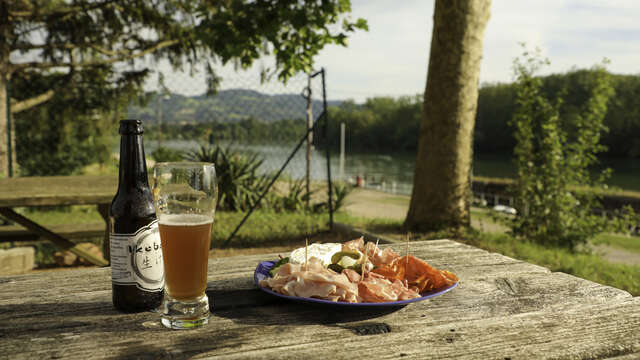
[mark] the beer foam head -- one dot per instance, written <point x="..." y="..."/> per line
<point x="184" y="219"/>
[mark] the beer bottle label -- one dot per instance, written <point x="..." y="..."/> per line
<point x="136" y="259"/>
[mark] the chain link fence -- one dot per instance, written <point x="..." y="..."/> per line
<point x="266" y="118"/>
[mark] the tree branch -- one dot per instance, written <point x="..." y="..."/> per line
<point x="18" y="106"/>
<point x="28" y="47"/>
<point x="17" y="14"/>
<point x="60" y="12"/>
<point x="50" y="65"/>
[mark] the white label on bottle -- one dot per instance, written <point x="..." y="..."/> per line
<point x="136" y="259"/>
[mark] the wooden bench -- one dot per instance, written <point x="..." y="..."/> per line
<point x="56" y="191"/>
<point x="16" y="233"/>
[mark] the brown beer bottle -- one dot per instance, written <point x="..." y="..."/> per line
<point x="137" y="270"/>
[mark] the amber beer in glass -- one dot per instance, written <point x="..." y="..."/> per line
<point x="186" y="240"/>
<point x="185" y="195"/>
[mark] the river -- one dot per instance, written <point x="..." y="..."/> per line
<point x="393" y="172"/>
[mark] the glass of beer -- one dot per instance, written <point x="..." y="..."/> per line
<point x="185" y="196"/>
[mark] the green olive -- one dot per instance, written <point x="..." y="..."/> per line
<point x="346" y="260"/>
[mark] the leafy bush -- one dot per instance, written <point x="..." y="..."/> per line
<point x="553" y="156"/>
<point x="163" y="154"/>
<point x="295" y="199"/>
<point x="239" y="183"/>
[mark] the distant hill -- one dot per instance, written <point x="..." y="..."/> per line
<point x="226" y="106"/>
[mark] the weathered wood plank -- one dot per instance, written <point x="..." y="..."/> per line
<point x="70" y="231"/>
<point x="583" y="331"/>
<point x="518" y="311"/>
<point x="57" y="190"/>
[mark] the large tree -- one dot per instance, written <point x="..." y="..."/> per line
<point x="97" y="42"/>
<point x="441" y="185"/>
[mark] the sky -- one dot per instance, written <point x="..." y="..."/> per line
<point x="391" y="59"/>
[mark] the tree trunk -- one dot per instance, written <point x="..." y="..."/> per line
<point x="441" y="186"/>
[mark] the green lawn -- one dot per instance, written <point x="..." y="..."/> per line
<point x="628" y="243"/>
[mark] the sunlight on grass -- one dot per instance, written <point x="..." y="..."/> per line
<point x="628" y="243"/>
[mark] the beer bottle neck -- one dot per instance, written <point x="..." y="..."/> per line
<point x="133" y="168"/>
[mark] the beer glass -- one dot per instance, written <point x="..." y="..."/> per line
<point x="185" y="196"/>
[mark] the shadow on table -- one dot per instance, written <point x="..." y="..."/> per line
<point x="60" y="317"/>
<point x="254" y="307"/>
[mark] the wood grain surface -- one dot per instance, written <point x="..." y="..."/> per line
<point x="502" y="309"/>
<point x="57" y="190"/>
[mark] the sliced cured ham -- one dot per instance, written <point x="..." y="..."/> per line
<point x="312" y="280"/>
<point x="375" y="288"/>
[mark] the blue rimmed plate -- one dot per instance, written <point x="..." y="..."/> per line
<point x="262" y="272"/>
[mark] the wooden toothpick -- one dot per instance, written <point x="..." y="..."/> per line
<point x="306" y="249"/>
<point x="406" y="265"/>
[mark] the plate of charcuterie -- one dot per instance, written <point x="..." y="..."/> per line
<point x="352" y="274"/>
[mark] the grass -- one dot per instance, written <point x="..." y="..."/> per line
<point x="266" y="228"/>
<point x="627" y="243"/>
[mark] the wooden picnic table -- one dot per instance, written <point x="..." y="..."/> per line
<point x="54" y="191"/>
<point x="502" y="309"/>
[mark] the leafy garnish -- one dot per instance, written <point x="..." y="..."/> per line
<point x="275" y="267"/>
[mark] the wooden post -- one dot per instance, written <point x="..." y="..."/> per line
<point x="309" y="135"/>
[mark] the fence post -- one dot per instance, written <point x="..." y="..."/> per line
<point x="309" y="136"/>
<point x="326" y="130"/>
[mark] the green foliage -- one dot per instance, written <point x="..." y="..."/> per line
<point x="340" y="192"/>
<point x="239" y="182"/>
<point x="163" y="154"/>
<point x="296" y="198"/>
<point x="553" y="156"/>
<point x="496" y="106"/>
<point x="70" y="131"/>
<point x="101" y="35"/>
<point x="383" y="123"/>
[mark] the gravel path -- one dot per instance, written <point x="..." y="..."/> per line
<point x="376" y="204"/>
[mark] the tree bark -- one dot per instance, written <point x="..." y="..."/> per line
<point x="441" y="187"/>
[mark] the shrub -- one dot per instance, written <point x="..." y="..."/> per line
<point x="239" y="183"/>
<point x="553" y="156"/>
